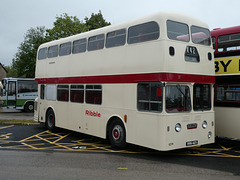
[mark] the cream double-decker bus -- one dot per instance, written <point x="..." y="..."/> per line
<point x="147" y="82"/>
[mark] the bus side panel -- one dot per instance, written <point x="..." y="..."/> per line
<point x="146" y="129"/>
<point x="227" y="122"/>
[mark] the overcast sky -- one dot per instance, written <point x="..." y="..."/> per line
<point x="17" y="16"/>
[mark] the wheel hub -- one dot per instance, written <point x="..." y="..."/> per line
<point x="117" y="133"/>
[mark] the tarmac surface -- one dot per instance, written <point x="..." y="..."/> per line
<point x="66" y="154"/>
<point x="15" y="114"/>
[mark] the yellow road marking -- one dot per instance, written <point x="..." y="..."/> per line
<point x="31" y="136"/>
<point x="97" y="146"/>
<point x="62" y="137"/>
<point x="5" y="136"/>
<point x="29" y="145"/>
<point x="4" y="127"/>
<point x="122" y="168"/>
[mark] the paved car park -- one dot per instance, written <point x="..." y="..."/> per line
<point x="38" y="138"/>
<point x="215" y="161"/>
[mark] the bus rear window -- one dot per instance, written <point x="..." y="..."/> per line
<point x="200" y="35"/>
<point x="177" y="31"/>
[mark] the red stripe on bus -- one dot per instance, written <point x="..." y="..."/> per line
<point x="129" y="78"/>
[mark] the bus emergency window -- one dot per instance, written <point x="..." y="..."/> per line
<point x="149" y="97"/>
<point x="178" y="31"/>
<point x="201" y="97"/>
<point x="77" y="93"/>
<point x="65" y="49"/>
<point x="116" y="38"/>
<point x="51" y="92"/>
<point x="96" y="42"/>
<point x="42" y="91"/>
<point x="177" y="99"/>
<point x="79" y="46"/>
<point x="53" y="51"/>
<point x="143" y="32"/>
<point x="228" y="93"/>
<point x="42" y="54"/>
<point x="62" y="92"/>
<point x="27" y="86"/>
<point x="230" y="42"/>
<point x="200" y="35"/>
<point x="94" y="94"/>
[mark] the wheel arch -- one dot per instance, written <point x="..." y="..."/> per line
<point x="110" y="120"/>
<point x="48" y="109"/>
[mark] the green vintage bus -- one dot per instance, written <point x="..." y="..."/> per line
<point x="18" y="93"/>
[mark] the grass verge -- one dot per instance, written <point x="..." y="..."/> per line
<point x="17" y="121"/>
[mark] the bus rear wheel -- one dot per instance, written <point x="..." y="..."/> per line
<point x="50" y="120"/>
<point x="117" y="134"/>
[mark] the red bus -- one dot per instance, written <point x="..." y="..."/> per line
<point x="226" y="44"/>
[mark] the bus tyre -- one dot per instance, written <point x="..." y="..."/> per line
<point x="117" y="134"/>
<point x="50" y="120"/>
<point x="29" y="107"/>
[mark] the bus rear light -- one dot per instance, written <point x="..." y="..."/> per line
<point x="178" y="127"/>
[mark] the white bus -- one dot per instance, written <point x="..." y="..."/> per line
<point x="147" y="82"/>
<point x="18" y="93"/>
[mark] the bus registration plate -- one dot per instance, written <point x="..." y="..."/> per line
<point x="191" y="143"/>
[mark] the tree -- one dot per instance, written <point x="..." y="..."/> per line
<point x="65" y="26"/>
<point x="25" y="59"/>
<point x="95" y="21"/>
<point x="11" y="72"/>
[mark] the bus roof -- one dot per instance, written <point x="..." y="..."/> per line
<point x="224" y="31"/>
<point x="159" y="16"/>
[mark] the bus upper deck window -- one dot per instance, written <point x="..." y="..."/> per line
<point x="79" y="46"/>
<point x="42" y="53"/>
<point x="53" y="51"/>
<point x="96" y="42"/>
<point x="229" y="42"/>
<point x="143" y="32"/>
<point x="201" y="35"/>
<point x="177" y="31"/>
